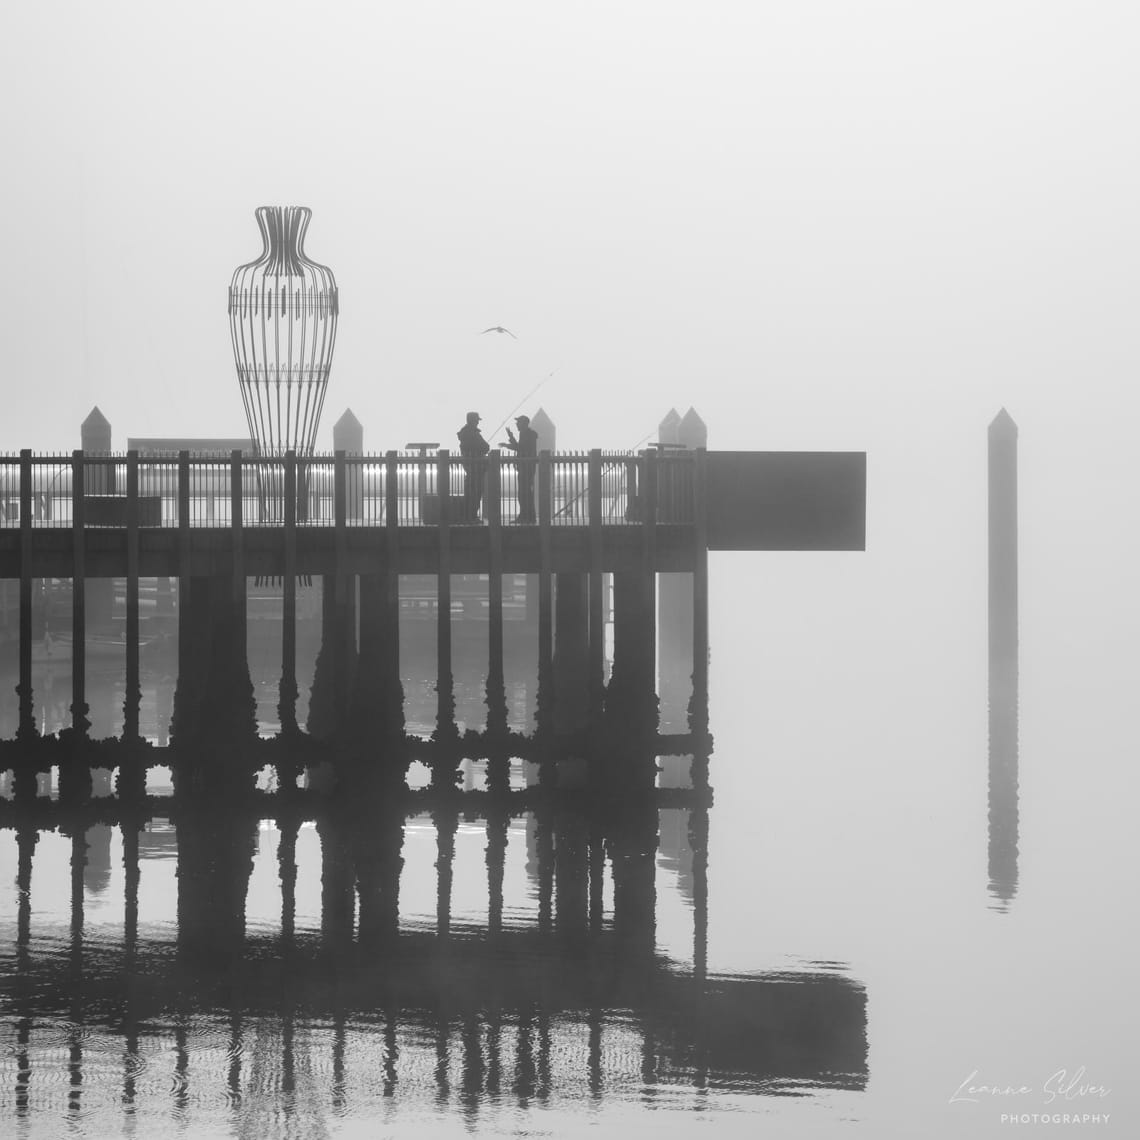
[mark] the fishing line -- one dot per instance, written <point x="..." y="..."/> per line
<point x="522" y="401"/>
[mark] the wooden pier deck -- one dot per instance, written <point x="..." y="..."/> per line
<point x="213" y="522"/>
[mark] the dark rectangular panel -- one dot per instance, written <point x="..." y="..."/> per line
<point x="111" y="510"/>
<point x="787" y="500"/>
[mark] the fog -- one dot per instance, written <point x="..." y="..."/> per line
<point x="813" y="221"/>
<point x="823" y="225"/>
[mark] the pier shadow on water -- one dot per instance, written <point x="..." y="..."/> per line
<point x="357" y="1000"/>
<point x="345" y="945"/>
<point x="274" y="963"/>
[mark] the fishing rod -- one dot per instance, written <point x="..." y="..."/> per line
<point x="613" y="465"/>
<point x="523" y="401"/>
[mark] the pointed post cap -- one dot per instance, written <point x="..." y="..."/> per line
<point x="692" y="431"/>
<point x="667" y="429"/>
<point x="348" y="434"/>
<point x="543" y="426"/>
<point x="95" y="432"/>
<point x="1003" y="426"/>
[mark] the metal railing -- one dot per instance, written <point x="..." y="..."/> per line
<point x="208" y="488"/>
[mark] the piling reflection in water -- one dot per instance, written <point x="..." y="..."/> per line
<point x="1004" y="656"/>
<point x="382" y="997"/>
<point x="362" y="1013"/>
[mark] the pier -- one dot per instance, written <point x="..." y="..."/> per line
<point x="608" y="525"/>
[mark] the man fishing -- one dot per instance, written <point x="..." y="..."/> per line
<point x="525" y="446"/>
<point x="472" y="447"/>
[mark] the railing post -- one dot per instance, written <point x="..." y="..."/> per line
<point x="422" y="480"/>
<point x="597" y="630"/>
<point x="443" y="485"/>
<point x="287" y="703"/>
<point x="79" y="720"/>
<point x="391" y="490"/>
<point x="134" y="691"/>
<point x="27" y="724"/>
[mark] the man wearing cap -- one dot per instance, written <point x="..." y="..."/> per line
<point x="526" y="448"/>
<point x="472" y="447"/>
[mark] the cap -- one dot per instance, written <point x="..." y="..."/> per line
<point x="522" y="420"/>
<point x="473" y="417"/>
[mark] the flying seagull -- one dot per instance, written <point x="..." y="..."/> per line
<point x="499" y="329"/>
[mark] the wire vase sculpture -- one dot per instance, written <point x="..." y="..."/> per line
<point x="283" y="311"/>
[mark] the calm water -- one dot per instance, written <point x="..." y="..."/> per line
<point x="847" y="965"/>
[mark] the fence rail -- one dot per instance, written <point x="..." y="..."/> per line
<point x="43" y="490"/>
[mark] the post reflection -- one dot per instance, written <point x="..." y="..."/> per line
<point x="1004" y="661"/>
<point x="569" y="1002"/>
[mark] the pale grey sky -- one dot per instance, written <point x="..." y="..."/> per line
<point x="813" y="221"/>
<point x="824" y="223"/>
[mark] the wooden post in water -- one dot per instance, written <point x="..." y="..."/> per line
<point x="338" y="894"/>
<point x="344" y="590"/>
<point x="185" y="641"/>
<point x="27" y="836"/>
<point x="647" y="656"/>
<point x="496" y="692"/>
<point x="542" y="425"/>
<point x="393" y="688"/>
<point x="379" y="842"/>
<point x="27" y="725"/>
<point x="133" y="694"/>
<point x="1003" y="633"/>
<point x="237" y="553"/>
<point x="78" y="867"/>
<point x="287" y="703"/>
<point x="446" y="825"/>
<point x="130" y="828"/>
<point x="95" y="440"/>
<point x="571" y="873"/>
<point x="498" y="827"/>
<point x="183" y="523"/>
<point x="545" y="601"/>
<point x="445" y="705"/>
<point x="80" y="722"/>
<point x="631" y="708"/>
<point x="597" y="623"/>
<point x="675" y="605"/>
<point x="597" y="874"/>
<point x="289" y="826"/>
<point x="348" y="437"/>
<point x="570" y="689"/>
<point x="699" y="705"/>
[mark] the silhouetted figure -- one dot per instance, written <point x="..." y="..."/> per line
<point x="473" y="447"/>
<point x="526" y="448"/>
